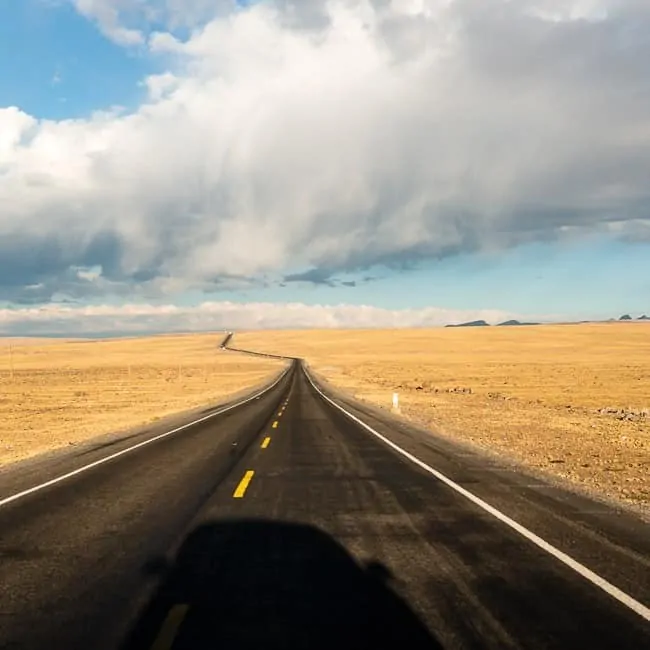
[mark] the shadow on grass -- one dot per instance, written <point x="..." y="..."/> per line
<point x="246" y="584"/>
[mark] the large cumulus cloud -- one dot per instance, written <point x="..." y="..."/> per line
<point x="334" y="135"/>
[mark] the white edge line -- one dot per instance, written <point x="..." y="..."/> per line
<point x="101" y="461"/>
<point x="594" y="578"/>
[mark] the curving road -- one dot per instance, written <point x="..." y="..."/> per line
<point x="300" y="519"/>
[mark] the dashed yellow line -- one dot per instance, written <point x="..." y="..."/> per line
<point x="266" y="442"/>
<point x="169" y="629"/>
<point x="243" y="484"/>
<point x="275" y="424"/>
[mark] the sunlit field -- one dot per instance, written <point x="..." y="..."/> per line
<point x="59" y="393"/>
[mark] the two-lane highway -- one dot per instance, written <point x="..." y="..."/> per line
<point x="316" y="530"/>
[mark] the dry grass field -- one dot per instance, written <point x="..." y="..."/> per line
<point x="536" y="392"/>
<point x="58" y="393"/>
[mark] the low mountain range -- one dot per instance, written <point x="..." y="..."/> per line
<point x="473" y="323"/>
<point x="514" y="323"/>
<point x="482" y="323"/>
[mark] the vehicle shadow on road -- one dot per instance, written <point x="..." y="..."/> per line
<point x="264" y="584"/>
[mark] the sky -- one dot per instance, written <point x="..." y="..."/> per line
<point x="208" y="164"/>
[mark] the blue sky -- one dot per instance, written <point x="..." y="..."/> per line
<point x="57" y="64"/>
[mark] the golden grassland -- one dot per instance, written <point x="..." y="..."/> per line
<point x="536" y="391"/>
<point x="59" y="393"/>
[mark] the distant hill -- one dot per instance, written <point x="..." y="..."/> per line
<point x="625" y="317"/>
<point x="474" y="323"/>
<point x="509" y="323"/>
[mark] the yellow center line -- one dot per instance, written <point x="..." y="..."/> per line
<point x="169" y="629"/>
<point x="275" y="424"/>
<point x="243" y="484"/>
<point x="266" y="442"/>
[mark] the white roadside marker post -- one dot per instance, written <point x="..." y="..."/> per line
<point x="396" y="403"/>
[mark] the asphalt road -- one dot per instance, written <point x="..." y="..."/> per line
<point x="283" y="523"/>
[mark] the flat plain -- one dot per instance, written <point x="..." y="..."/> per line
<point x="56" y="393"/>
<point x="571" y="400"/>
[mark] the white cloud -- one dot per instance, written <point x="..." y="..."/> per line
<point x="338" y="135"/>
<point x="560" y="10"/>
<point x="14" y="127"/>
<point x="109" y="14"/>
<point x="126" y="22"/>
<point x="57" y="319"/>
